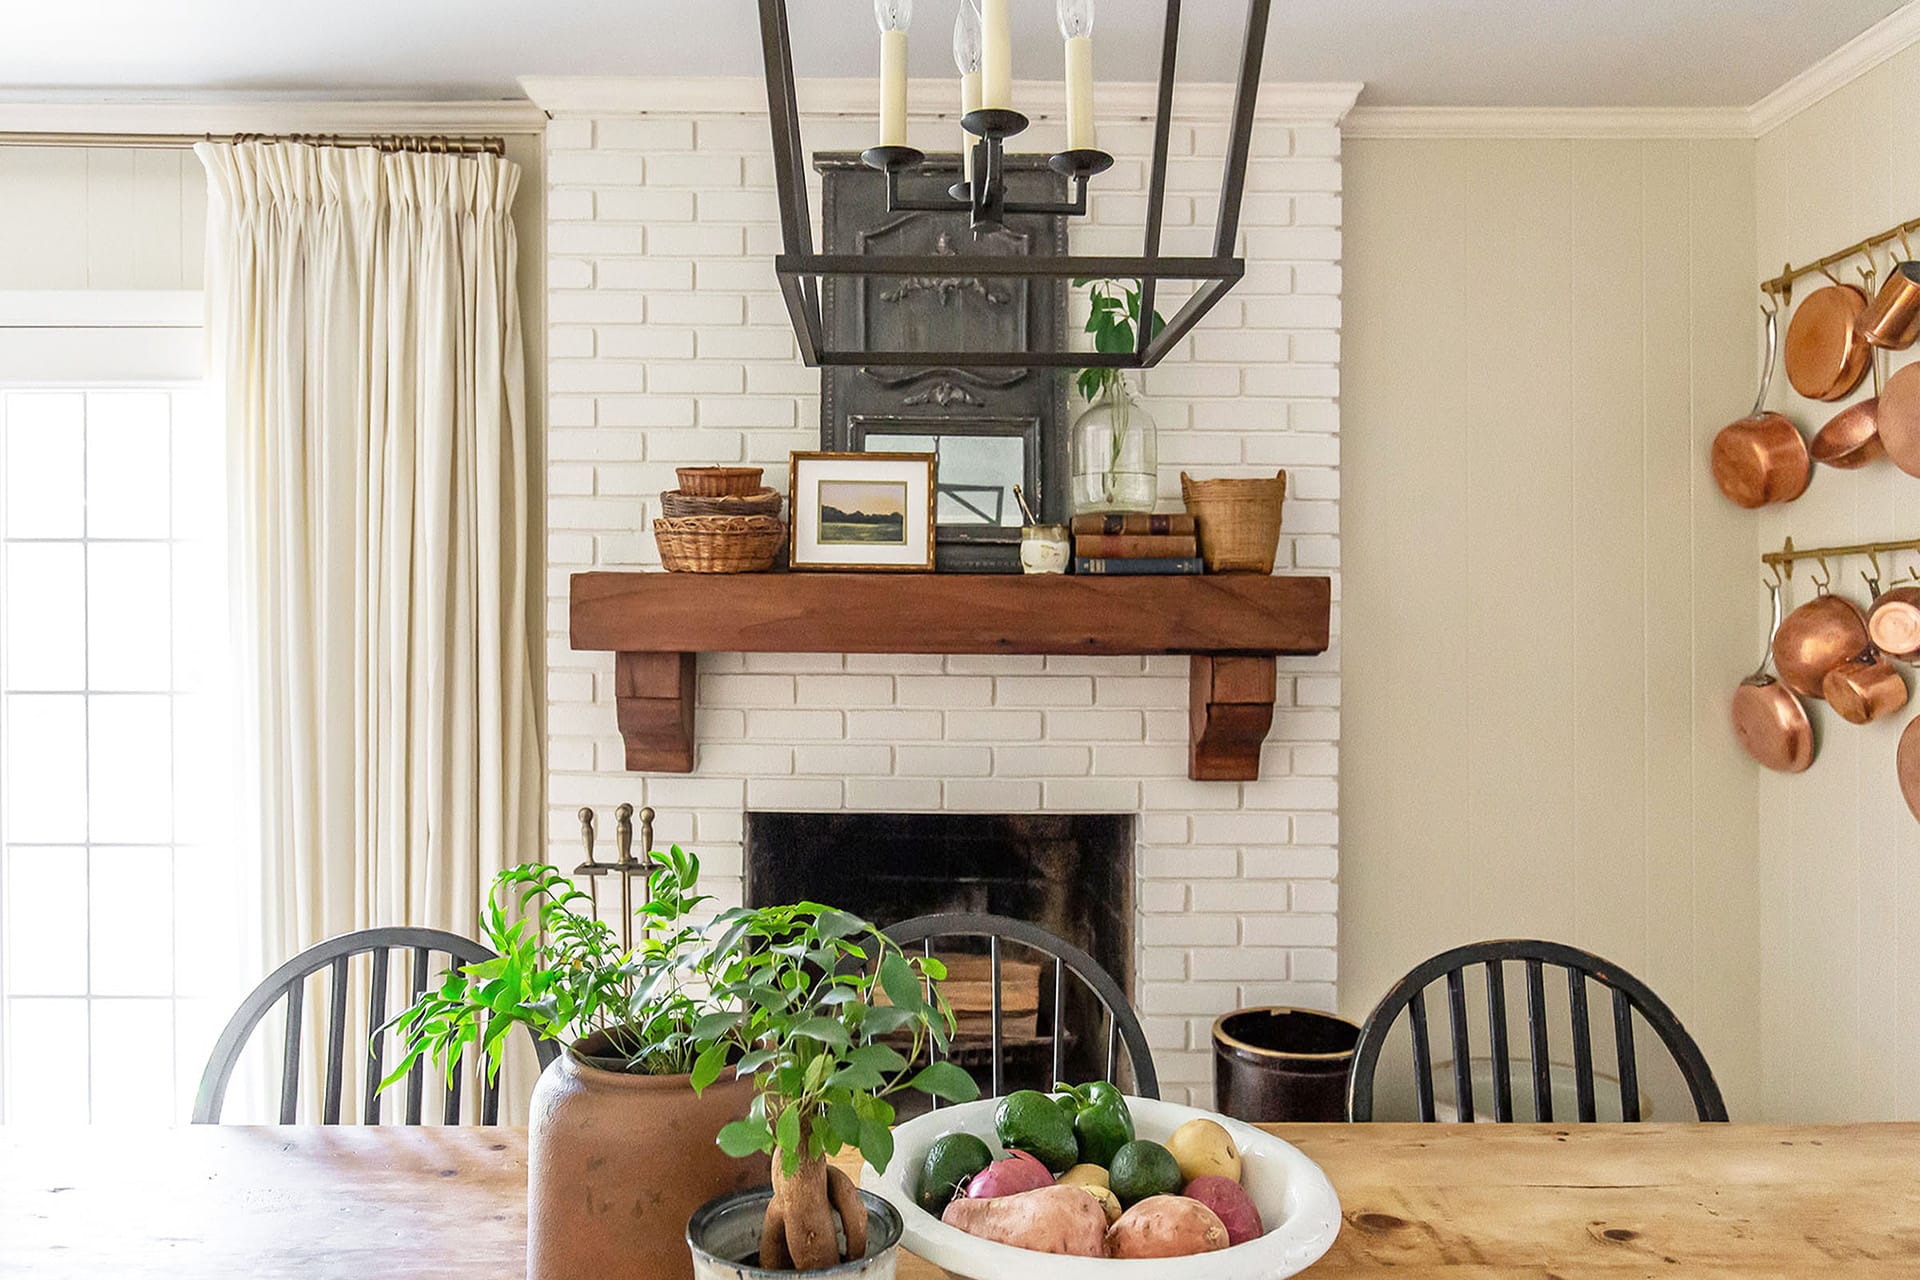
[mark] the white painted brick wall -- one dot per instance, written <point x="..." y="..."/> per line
<point x="670" y="345"/>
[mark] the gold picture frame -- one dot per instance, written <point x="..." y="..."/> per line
<point x="860" y="512"/>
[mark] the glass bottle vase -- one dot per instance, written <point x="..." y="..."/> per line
<point x="1116" y="457"/>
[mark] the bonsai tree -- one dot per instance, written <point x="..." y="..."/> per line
<point x="809" y="997"/>
<point x="564" y="973"/>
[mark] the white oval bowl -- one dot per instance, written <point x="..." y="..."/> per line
<point x="1297" y="1206"/>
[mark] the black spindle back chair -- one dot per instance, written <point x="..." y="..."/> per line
<point x="1123" y="1028"/>
<point x="1629" y="995"/>
<point x="288" y="984"/>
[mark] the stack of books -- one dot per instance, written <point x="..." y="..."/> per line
<point x="1134" y="543"/>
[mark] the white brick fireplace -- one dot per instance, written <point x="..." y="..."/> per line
<point x="669" y="345"/>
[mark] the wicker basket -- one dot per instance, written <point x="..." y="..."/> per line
<point x="1239" y="521"/>
<point x="719" y="544"/>
<point x="719" y="482"/>
<point x="766" y="502"/>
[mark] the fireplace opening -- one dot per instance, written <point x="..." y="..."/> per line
<point x="1071" y="874"/>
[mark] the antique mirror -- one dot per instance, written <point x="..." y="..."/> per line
<point x="990" y="428"/>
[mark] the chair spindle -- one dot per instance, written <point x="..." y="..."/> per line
<point x="1462" y="1052"/>
<point x="1537" y="1036"/>
<point x="1422" y="1055"/>
<point x="1624" y="1055"/>
<point x="336" y="1077"/>
<point x="1059" y="1019"/>
<point x="290" y="1054"/>
<point x="1497" y="1042"/>
<point x="999" y="1064"/>
<point x="376" y="1038"/>
<point x="417" y="1077"/>
<point x="1582" y="1044"/>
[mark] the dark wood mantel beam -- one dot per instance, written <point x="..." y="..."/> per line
<point x="1232" y="626"/>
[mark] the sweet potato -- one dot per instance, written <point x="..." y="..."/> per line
<point x="1231" y="1203"/>
<point x="1009" y="1177"/>
<point x="1166" y="1227"/>
<point x="1050" y="1220"/>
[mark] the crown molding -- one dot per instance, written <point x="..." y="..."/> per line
<point x="225" y="114"/>
<point x="1548" y="122"/>
<point x="1885" y="39"/>
<point x="931" y="99"/>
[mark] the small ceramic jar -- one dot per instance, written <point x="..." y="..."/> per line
<point x="1045" y="548"/>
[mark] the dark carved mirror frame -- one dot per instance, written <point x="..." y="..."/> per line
<point x="879" y="313"/>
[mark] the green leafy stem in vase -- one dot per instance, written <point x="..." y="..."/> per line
<point x="1113" y="314"/>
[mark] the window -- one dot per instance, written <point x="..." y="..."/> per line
<point x="117" y="922"/>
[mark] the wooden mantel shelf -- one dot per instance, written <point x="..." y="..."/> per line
<point x="1232" y="625"/>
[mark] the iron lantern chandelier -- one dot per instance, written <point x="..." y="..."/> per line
<point x="802" y="268"/>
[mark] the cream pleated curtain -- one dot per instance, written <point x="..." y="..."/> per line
<point x="366" y="336"/>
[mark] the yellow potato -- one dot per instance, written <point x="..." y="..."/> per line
<point x="1201" y="1147"/>
<point x="1107" y="1199"/>
<point x="1085" y="1175"/>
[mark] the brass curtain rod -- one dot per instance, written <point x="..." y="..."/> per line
<point x="1784" y="558"/>
<point x="440" y="144"/>
<point x="1781" y="286"/>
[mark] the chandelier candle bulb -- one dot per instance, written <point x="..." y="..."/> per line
<point x="966" y="58"/>
<point x="893" y="17"/>
<point x="996" y="55"/>
<point x="1076" y="26"/>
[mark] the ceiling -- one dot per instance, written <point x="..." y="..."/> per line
<point x="1618" y="53"/>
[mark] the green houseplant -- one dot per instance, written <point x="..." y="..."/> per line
<point x="601" y="1200"/>
<point x="1115" y="450"/>
<point x="813" y="998"/>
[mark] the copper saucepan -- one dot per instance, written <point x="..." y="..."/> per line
<point x="1817" y="637"/>
<point x="1867" y="686"/>
<point x="1893" y="623"/>
<point x="1761" y="458"/>
<point x="1893" y="321"/>
<point x="1826" y="356"/>
<point x="1770" y="722"/>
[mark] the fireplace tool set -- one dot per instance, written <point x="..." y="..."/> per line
<point x="626" y="865"/>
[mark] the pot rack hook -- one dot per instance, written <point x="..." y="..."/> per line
<point x="1825" y="581"/>
<point x="1906" y="250"/>
<point x="1780" y="579"/>
<point x="1828" y="273"/>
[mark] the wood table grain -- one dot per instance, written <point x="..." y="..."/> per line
<point x="1466" y="1202"/>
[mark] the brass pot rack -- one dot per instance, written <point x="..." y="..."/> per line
<point x="1782" y="561"/>
<point x="1781" y="286"/>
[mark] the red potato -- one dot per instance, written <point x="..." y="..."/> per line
<point x="1231" y="1204"/>
<point x="1048" y="1220"/>
<point x="1009" y="1177"/>
<point x="1165" y="1227"/>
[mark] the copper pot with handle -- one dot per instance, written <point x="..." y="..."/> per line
<point x="1851" y="438"/>
<point x="1762" y="457"/>
<point x="1893" y="621"/>
<point x="1892" y="322"/>
<point x="1817" y="637"/>
<point x="1866" y="687"/>
<point x="1770" y="722"/>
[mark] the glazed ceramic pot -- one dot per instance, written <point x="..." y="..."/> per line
<point x="723" y="1237"/>
<point x="616" y="1163"/>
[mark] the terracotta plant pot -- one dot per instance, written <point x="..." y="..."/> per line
<point x="616" y="1164"/>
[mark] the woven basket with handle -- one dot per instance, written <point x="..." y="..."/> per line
<point x="719" y="544"/>
<point x="1238" y="521"/>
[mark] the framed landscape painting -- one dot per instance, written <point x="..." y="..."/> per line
<point x="861" y="510"/>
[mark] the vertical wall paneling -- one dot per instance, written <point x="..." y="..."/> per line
<point x="101" y="218"/>
<point x="1839" y="854"/>
<point x="1537" y="585"/>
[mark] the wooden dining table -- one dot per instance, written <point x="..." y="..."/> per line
<point x="1456" y="1202"/>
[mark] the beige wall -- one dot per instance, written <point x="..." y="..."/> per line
<point x="1547" y="603"/>
<point x="1839" y="855"/>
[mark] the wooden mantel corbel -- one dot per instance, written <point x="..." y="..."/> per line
<point x="1232" y="627"/>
